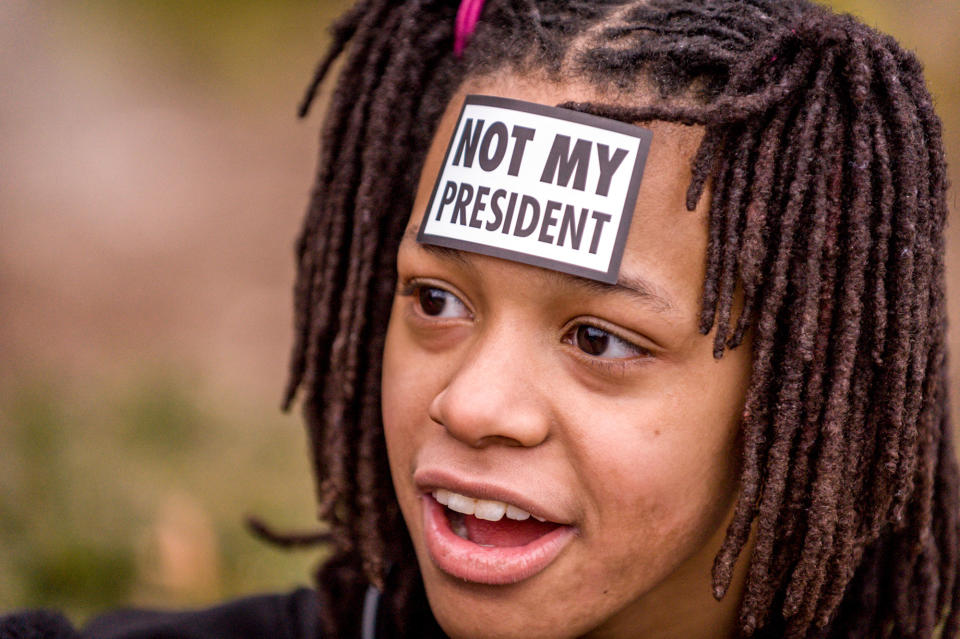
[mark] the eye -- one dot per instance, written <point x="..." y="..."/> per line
<point x="436" y="302"/>
<point x="597" y="342"/>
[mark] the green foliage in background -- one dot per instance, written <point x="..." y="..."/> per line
<point x="98" y="484"/>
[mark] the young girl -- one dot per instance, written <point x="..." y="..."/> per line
<point x="666" y="361"/>
<point x="747" y="435"/>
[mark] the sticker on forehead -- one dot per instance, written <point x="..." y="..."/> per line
<point x="537" y="184"/>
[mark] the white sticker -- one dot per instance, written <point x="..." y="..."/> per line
<point x="538" y="184"/>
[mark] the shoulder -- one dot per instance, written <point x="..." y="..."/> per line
<point x="36" y="624"/>
<point x="288" y="616"/>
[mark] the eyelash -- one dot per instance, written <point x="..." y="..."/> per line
<point x="614" y="365"/>
<point x="413" y="287"/>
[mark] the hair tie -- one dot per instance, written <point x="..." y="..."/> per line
<point x="467" y="16"/>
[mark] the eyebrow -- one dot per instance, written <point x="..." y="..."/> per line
<point x="635" y="286"/>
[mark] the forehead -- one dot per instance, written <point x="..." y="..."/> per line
<point x="666" y="243"/>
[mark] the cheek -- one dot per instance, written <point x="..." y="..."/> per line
<point x="663" y="481"/>
<point x="399" y="397"/>
<point x="666" y="484"/>
<point x="410" y="380"/>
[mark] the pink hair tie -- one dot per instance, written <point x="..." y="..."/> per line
<point x="467" y="16"/>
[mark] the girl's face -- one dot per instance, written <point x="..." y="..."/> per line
<point x="598" y="408"/>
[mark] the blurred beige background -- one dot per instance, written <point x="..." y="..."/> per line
<point x="152" y="179"/>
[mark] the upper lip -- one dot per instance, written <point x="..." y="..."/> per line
<point x="429" y="479"/>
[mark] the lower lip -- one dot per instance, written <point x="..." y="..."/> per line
<point x="496" y="566"/>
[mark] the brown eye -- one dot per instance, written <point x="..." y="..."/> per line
<point x="591" y="340"/>
<point x="437" y="302"/>
<point x="432" y="300"/>
<point x="597" y="342"/>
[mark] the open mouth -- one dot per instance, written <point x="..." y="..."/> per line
<point x="489" y="542"/>
<point x="491" y="523"/>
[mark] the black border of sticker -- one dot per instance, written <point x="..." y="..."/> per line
<point x="616" y="256"/>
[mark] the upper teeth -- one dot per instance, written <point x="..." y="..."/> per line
<point x="488" y="509"/>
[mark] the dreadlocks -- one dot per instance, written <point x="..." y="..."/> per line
<point x="827" y="175"/>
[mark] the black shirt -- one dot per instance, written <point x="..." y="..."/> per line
<point x="290" y="616"/>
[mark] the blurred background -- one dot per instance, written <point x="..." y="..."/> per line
<point x="152" y="179"/>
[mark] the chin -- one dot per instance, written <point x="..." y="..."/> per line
<point x="478" y="621"/>
<point x="531" y="609"/>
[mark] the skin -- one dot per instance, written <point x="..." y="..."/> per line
<point x="635" y="445"/>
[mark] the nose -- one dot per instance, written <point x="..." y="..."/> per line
<point x="494" y="397"/>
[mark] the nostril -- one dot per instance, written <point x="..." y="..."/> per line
<point x="498" y="440"/>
